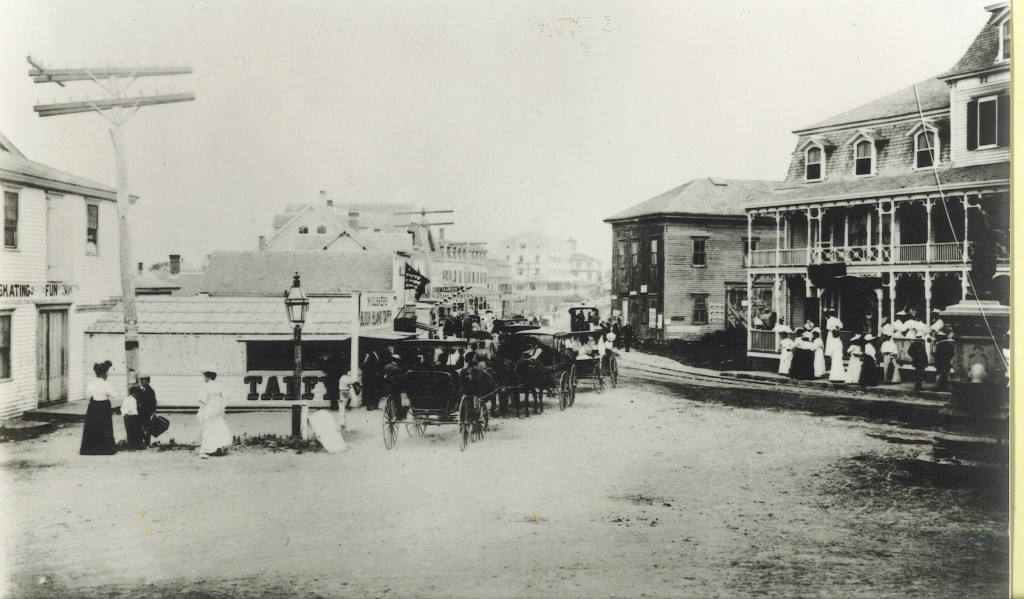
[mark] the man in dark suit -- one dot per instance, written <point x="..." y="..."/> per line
<point x="147" y="407"/>
<point x="918" y="359"/>
<point x="944" y="351"/>
<point x="627" y="336"/>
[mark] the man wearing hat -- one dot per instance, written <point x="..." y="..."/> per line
<point x="945" y="349"/>
<point x="937" y="324"/>
<point x="918" y="357"/>
<point x="147" y="407"/>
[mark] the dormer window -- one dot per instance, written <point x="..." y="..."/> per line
<point x="1004" y="40"/>
<point x="864" y="158"/>
<point x="303" y="230"/>
<point x="321" y="230"/>
<point x="814" y="162"/>
<point x="926" y="149"/>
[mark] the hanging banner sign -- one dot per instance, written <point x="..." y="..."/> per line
<point x="376" y="310"/>
<point x="13" y="293"/>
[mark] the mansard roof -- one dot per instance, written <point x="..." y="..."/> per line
<point x="934" y="94"/>
<point x="984" y="51"/>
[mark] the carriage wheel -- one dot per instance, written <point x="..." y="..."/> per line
<point x="597" y="380"/>
<point x="485" y="416"/>
<point x="613" y="371"/>
<point x="464" y="421"/>
<point x="573" y="383"/>
<point x="563" y="391"/>
<point x="390" y="425"/>
<point x="480" y="414"/>
<point x="415" y="429"/>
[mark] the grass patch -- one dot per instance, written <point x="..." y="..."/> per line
<point x="276" y="443"/>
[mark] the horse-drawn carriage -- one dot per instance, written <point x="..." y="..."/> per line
<point x="577" y="356"/>
<point x="435" y="389"/>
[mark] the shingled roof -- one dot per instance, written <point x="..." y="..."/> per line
<point x="709" y="196"/>
<point x="922" y="181"/>
<point x="14" y="167"/>
<point x="323" y="273"/>
<point x="983" y="52"/>
<point x="328" y="318"/>
<point x="934" y="94"/>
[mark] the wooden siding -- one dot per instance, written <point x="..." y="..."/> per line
<point x="965" y="91"/>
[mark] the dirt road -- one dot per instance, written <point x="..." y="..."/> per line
<point x="635" y="493"/>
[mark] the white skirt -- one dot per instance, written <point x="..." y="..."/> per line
<point x="785" y="361"/>
<point x="838" y="373"/>
<point x="214" y="434"/>
<point x="819" y="363"/>
<point x="853" y="372"/>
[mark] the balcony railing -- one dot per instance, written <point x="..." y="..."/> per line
<point x="764" y="341"/>
<point x="948" y="252"/>
<point x="861" y="254"/>
<point x="911" y="253"/>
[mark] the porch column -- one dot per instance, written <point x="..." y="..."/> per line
<point x="967" y="206"/>
<point x="928" y="298"/>
<point x="778" y="236"/>
<point x="776" y="292"/>
<point x="892" y="295"/>
<point x="750" y="248"/>
<point x="878" y="320"/>
<point x="963" y="285"/>
<point x="808" y="258"/>
<point x="846" y="228"/>
<point x="750" y="302"/>
<point x="928" y="240"/>
<point x="881" y="231"/>
<point x="868" y="219"/>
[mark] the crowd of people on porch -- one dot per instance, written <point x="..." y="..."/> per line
<point x="809" y="353"/>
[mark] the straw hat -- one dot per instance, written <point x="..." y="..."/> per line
<point x="855" y="338"/>
<point x="869" y="337"/>
<point x="208" y="368"/>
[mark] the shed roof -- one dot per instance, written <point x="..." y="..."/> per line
<point x="707" y="196"/>
<point x="16" y="168"/>
<point x="250" y="317"/>
<point x="269" y="273"/>
<point x="933" y="93"/>
<point x="984" y="50"/>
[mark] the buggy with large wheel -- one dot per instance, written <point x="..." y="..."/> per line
<point x="430" y="393"/>
<point x="577" y="361"/>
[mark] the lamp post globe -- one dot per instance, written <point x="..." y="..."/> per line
<point x="297" y="305"/>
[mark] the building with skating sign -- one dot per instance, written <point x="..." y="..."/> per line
<point x="60" y="272"/>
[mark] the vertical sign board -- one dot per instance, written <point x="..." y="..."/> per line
<point x="716" y="312"/>
<point x="377" y="310"/>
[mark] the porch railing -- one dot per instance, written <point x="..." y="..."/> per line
<point x="947" y="252"/>
<point x="762" y="258"/>
<point x="793" y="257"/>
<point x="764" y="341"/>
<point x="911" y="253"/>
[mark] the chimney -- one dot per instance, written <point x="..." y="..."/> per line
<point x="140" y="268"/>
<point x="263" y="242"/>
<point x="330" y="203"/>
<point x="175" y="264"/>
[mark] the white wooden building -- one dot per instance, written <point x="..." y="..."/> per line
<point x="59" y="270"/>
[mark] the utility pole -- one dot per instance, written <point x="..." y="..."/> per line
<point x="117" y="108"/>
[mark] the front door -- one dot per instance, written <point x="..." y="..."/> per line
<point x="52" y="356"/>
<point x="736" y="308"/>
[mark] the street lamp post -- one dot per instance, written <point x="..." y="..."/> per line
<point x="297" y="304"/>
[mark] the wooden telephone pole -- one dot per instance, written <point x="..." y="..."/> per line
<point x="426" y="239"/>
<point x="117" y="108"/>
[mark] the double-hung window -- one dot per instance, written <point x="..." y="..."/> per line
<point x="988" y="122"/>
<point x="1004" y="40"/>
<point x="700" y="251"/>
<point x="864" y="158"/>
<point x="5" y="346"/>
<point x="10" y="219"/>
<point x="926" y="149"/>
<point x="700" y="308"/>
<point x="634" y="253"/>
<point x="654" y="253"/>
<point x="92" y="229"/>
<point x="814" y="161"/>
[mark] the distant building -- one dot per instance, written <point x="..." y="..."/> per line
<point x="543" y="272"/>
<point x="900" y="204"/>
<point x="60" y="272"/>
<point x="678" y="258"/>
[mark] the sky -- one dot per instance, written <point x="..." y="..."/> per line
<point x="511" y="113"/>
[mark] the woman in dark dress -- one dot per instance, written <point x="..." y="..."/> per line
<point x="98" y="432"/>
<point x="803" y="358"/>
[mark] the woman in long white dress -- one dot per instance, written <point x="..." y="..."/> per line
<point x="819" y="355"/>
<point x="214" y="434"/>
<point x="786" y="355"/>
<point x="837" y="373"/>
<point x="853" y="370"/>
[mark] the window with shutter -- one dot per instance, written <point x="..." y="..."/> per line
<point x="10" y="219"/>
<point x="972" y="125"/>
<point x="5" y="346"/>
<point x="988" y="122"/>
<point x="1003" y="121"/>
<point x="92" y="229"/>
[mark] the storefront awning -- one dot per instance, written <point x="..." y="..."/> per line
<point x="386" y="335"/>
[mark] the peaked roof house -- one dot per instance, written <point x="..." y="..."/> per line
<point x="900" y="205"/>
<point x="678" y="258"/>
